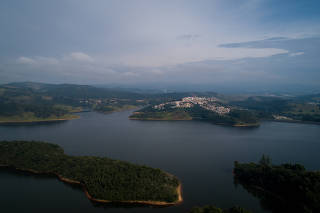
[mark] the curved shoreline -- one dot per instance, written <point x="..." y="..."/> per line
<point x="16" y="122"/>
<point x="247" y="125"/>
<point x="191" y="119"/>
<point x="293" y="121"/>
<point x="159" y="119"/>
<point x="118" y="110"/>
<point x="70" y="181"/>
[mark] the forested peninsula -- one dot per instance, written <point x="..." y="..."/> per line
<point x="103" y="180"/>
<point x="280" y="188"/>
<point x="237" y="118"/>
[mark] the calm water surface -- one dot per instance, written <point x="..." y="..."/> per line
<point x="200" y="154"/>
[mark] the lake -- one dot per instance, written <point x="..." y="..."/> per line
<point x="200" y="154"/>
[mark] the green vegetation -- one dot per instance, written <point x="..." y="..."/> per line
<point x="234" y="118"/>
<point x="113" y="108"/>
<point x="45" y="102"/>
<point x="27" y="117"/>
<point x="304" y="112"/>
<point x="264" y="107"/>
<point x="283" y="188"/>
<point x="25" y="105"/>
<point x="176" y="115"/>
<point x="15" y="112"/>
<point x="103" y="178"/>
<point x="34" y="102"/>
<point x="304" y="109"/>
<point x="213" y="209"/>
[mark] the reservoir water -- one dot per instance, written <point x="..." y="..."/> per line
<point x="200" y="154"/>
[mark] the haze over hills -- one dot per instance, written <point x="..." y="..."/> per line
<point x="284" y="90"/>
<point x="234" y="88"/>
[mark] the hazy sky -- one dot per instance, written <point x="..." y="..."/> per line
<point x="225" y="42"/>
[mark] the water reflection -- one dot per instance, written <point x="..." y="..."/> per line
<point x="269" y="201"/>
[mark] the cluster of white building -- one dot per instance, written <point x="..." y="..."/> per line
<point x="188" y="102"/>
<point x="199" y="100"/>
<point x="160" y="106"/>
<point x="217" y="109"/>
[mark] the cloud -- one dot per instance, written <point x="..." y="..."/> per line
<point x="130" y="74"/>
<point x="80" y="56"/>
<point x="37" y="60"/>
<point x="296" y="54"/>
<point x="268" y="60"/>
<point x="25" y="60"/>
<point x="157" y="41"/>
<point x="188" y="37"/>
<point x="46" y="60"/>
<point x="299" y="44"/>
<point x="73" y="58"/>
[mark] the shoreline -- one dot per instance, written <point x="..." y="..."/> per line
<point x="293" y="121"/>
<point x="17" y="122"/>
<point x="75" y="182"/>
<point x="232" y="125"/>
<point x="159" y="119"/>
<point x="143" y="202"/>
<point x="118" y="110"/>
<point x="247" y="125"/>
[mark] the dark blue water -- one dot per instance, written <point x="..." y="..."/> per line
<point x="200" y="154"/>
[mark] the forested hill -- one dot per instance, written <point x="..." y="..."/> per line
<point x="33" y="102"/>
<point x="30" y="102"/>
<point x="103" y="178"/>
<point x="280" y="188"/>
<point x="74" y="91"/>
<point x="67" y="90"/>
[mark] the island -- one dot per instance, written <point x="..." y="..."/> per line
<point x="280" y="188"/>
<point x="103" y="180"/>
<point x="198" y="108"/>
<point x="214" y="209"/>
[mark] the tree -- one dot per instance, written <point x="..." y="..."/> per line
<point x="265" y="160"/>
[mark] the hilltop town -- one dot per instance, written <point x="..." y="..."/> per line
<point x="208" y="103"/>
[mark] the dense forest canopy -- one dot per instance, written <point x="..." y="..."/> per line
<point x="103" y="178"/>
<point x="281" y="188"/>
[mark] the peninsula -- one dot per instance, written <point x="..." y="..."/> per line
<point x="103" y="180"/>
<point x="30" y="118"/>
<point x="280" y="188"/>
<point x="208" y="109"/>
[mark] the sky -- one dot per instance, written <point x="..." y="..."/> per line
<point x="204" y="43"/>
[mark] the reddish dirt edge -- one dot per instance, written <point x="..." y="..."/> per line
<point x="70" y="181"/>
